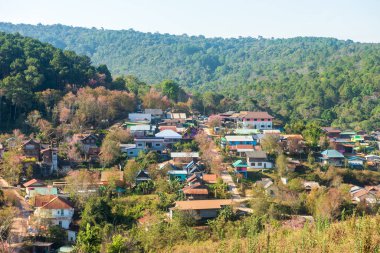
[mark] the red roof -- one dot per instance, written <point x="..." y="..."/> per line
<point x="41" y="200"/>
<point x="33" y="181"/>
<point x="210" y="178"/>
<point x="256" y="115"/>
<point x="236" y="147"/>
<point x="58" y="203"/>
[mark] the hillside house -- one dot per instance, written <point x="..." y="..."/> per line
<point x="234" y="140"/>
<point x="196" y="191"/>
<point x="169" y="136"/>
<point x="140" y="117"/>
<point x="55" y="211"/>
<point x="49" y="158"/>
<point x="184" y="156"/>
<point x="255" y="120"/>
<point x="150" y="143"/>
<point x="201" y="209"/>
<point x="142" y="176"/>
<point x="156" y="114"/>
<point x="130" y="150"/>
<point x="88" y="144"/>
<point x="142" y="130"/>
<point x="331" y="132"/>
<point x="258" y="160"/>
<point x="332" y="157"/>
<point x="31" y="149"/>
<point x="240" y="167"/>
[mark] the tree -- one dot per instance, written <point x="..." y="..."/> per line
<point x="269" y="144"/>
<point x="154" y="99"/>
<point x="118" y="244"/>
<point x="312" y="134"/>
<point x="214" y="121"/>
<point x="89" y="239"/>
<point x="282" y="165"/>
<point x="130" y="171"/>
<point x="170" y="89"/>
<point x="11" y="166"/>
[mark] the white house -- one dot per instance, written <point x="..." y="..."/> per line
<point x="130" y="149"/>
<point x="150" y="143"/>
<point x="55" y="210"/>
<point x="256" y="120"/>
<point x="258" y="160"/>
<point x="169" y="136"/>
<point x="140" y="117"/>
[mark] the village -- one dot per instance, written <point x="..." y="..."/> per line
<point x="228" y="160"/>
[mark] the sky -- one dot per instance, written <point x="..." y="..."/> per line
<point x="358" y="20"/>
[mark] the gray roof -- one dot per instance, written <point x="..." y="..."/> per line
<point x="256" y="154"/>
<point x="154" y="111"/>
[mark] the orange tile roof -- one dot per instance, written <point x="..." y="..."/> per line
<point x="210" y="178"/>
<point x="33" y="181"/>
<point x="202" y="204"/>
<point x="41" y="200"/>
<point x="58" y="203"/>
<point x="202" y="191"/>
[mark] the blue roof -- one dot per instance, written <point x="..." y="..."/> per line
<point x="332" y="153"/>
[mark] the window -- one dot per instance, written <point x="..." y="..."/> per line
<point x="269" y="119"/>
<point x="254" y="119"/>
<point x="158" y="144"/>
<point x="140" y="144"/>
<point x="60" y="223"/>
<point x="253" y="164"/>
<point x="262" y="119"/>
<point x="131" y="152"/>
<point x="262" y="126"/>
<point x="259" y="164"/>
<point x="62" y="212"/>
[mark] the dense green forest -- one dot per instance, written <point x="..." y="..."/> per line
<point x="336" y="82"/>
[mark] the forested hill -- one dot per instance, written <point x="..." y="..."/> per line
<point x="301" y="78"/>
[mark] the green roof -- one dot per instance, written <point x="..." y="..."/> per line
<point x="239" y="163"/>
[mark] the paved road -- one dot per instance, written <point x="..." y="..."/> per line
<point x="20" y="222"/>
<point x="231" y="185"/>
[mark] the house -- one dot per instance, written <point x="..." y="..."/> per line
<point x="201" y="209"/>
<point x="184" y="156"/>
<point x="310" y="185"/>
<point x="210" y="178"/>
<point x="331" y="132"/>
<point x="44" y="190"/>
<point x="234" y="140"/>
<point x="344" y="146"/>
<point x="150" y="143"/>
<point x="142" y="130"/>
<point x="179" y="175"/>
<point x="116" y="176"/>
<point x="31" y="149"/>
<point x="157" y="114"/>
<point x="169" y="136"/>
<point x="140" y="117"/>
<point x="256" y="120"/>
<point x="366" y="195"/>
<point x="57" y="211"/>
<point x="193" y="167"/>
<point x="173" y="115"/>
<point x="196" y="191"/>
<point x="269" y="187"/>
<point x="240" y="150"/>
<point x="246" y="131"/>
<point x="356" y="162"/>
<point x="141" y="177"/>
<point x="332" y="157"/>
<point x="49" y="158"/>
<point x="89" y="144"/>
<point x="293" y="143"/>
<point x="240" y="167"/>
<point x="347" y="135"/>
<point x="31" y="184"/>
<point x="258" y="160"/>
<point x="130" y="150"/>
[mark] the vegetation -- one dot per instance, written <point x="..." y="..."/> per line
<point x="326" y="79"/>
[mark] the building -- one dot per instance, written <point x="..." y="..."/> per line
<point x="169" y="136"/>
<point x="130" y="150"/>
<point x="89" y="145"/>
<point x="157" y="114"/>
<point x="150" y="143"/>
<point x="56" y="211"/>
<point x="258" y="160"/>
<point x="331" y="132"/>
<point x="142" y="130"/>
<point x="255" y="120"/>
<point x="141" y="177"/>
<point x="240" y="167"/>
<point x="49" y="158"/>
<point x="201" y="209"/>
<point x="140" y="117"/>
<point x="32" y="149"/>
<point x="196" y="191"/>
<point x="184" y="156"/>
<point x="332" y="157"/>
<point x="234" y="140"/>
<point x="179" y="175"/>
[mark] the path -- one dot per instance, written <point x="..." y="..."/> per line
<point x="20" y="222"/>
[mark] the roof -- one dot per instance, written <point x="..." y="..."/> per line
<point x="257" y="115"/>
<point x="106" y="175"/>
<point x="202" y="204"/>
<point x="332" y="153"/>
<point x="184" y="154"/>
<point x="58" y="203"/>
<point x="41" y="200"/>
<point x="239" y="163"/>
<point x="210" y="178"/>
<point x="177" y="172"/>
<point x="246" y="131"/>
<point x="331" y="130"/>
<point x="142" y="175"/>
<point x="256" y="154"/>
<point x="271" y="131"/>
<point x="140" y="128"/>
<point x="190" y="191"/>
<point x="265" y="182"/>
<point x="243" y="147"/>
<point x="311" y="184"/>
<point x="170" y="134"/>
<point x="161" y="128"/>
<point x="238" y="138"/>
<point x="292" y="136"/>
<point x="348" y="133"/>
<point x="45" y="190"/>
<point x="34" y="181"/>
<point x="127" y="146"/>
<point x="154" y="111"/>
<point x="171" y="115"/>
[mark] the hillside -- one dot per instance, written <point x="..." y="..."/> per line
<point x="327" y="79"/>
<point x="36" y="75"/>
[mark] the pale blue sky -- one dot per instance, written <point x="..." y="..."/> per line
<point x="358" y="20"/>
